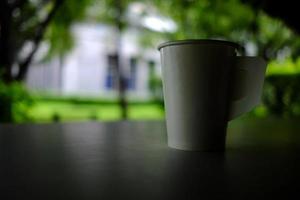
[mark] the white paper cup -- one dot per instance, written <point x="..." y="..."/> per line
<point x="199" y="77"/>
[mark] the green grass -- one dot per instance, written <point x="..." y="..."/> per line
<point x="47" y="110"/>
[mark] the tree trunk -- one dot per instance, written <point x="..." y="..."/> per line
<point x="38" y="37"/>
<point x="6" y="47"/>
<point x="121" y="79"/>
<point x="9" y="50"/>
<point x="6" y="59"/>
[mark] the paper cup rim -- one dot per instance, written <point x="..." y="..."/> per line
<point x="199" y="41"/>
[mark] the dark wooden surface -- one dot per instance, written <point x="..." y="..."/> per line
<point x="130" y="160"/>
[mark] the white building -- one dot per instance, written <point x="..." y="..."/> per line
<point x="89" y="69"/>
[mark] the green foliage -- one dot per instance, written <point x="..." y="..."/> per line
<point x="59" y="34"/>
<point x="108" y="11"/>
<point x="233" y="20"/>
<point x="203" y="19"/>
<point x="281" y="95"/>
<point x="15" y="103"/>
<point x="287" y="66"/>
<point x="155" y="87"/>
<point x="60" y="39"/>
<point x="56" y="117"/>
<point x="229" y="20"/>
<point x="66" y="110"/>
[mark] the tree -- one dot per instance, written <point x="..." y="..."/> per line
<point x="23" y="25"/>
<point x="113" y="13"/>
<point x="277" y="9"/>
<point x="230" y="20"/>
<point x="248" y="22"/>
<point x="20" y="26"/>
<point x="118" y="20"/>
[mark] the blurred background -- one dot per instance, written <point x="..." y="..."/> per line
<point x="98" y="59"/>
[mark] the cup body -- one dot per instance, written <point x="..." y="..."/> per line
<point x="196" y="81"/>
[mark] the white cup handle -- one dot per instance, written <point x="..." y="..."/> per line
<point x="247" y="84"/>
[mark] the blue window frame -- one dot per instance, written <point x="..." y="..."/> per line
<point x="110" y="80"/>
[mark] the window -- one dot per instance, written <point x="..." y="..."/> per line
<point x="111" y="76"/>
<point x="131" y="81"/>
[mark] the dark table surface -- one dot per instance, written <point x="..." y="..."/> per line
<point x="130" y="160"/>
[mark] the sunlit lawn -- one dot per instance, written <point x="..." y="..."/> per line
<point x="48" y="111"/>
